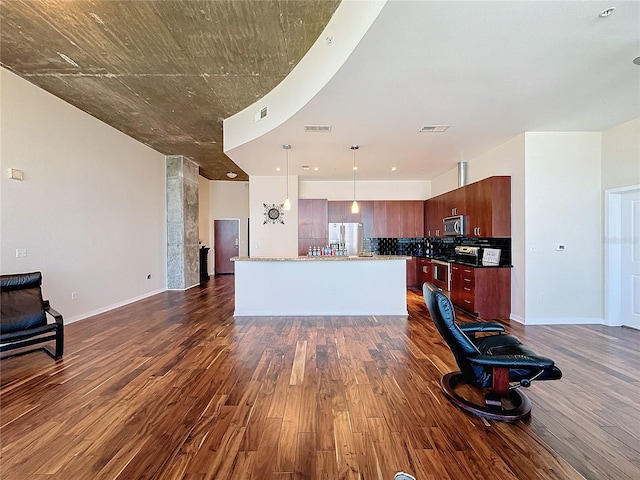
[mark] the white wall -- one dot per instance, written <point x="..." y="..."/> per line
<point x="366" y="190"/>
<point x="91" y="209"/>
<point x="563" y="205"/>
<point x="508" y="159"/>
<point x="621" y="155"/>
<point x="228" y="200"/>
<point x="203" y="211"/>
<point x="555" y="197"/>
<point x="273" y="240"/>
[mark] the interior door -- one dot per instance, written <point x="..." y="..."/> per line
<point x="630" y="256"/>
<point x="225" y="244"/>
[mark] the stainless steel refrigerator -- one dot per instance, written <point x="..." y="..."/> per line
<point x="349" y="236"/>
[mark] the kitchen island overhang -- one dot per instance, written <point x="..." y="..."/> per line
<point x="320" y="286"/>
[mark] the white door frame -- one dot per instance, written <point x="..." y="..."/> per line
<point x="612" y="253"/>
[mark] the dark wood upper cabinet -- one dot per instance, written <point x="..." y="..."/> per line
<point x="335" y="212"/>
<point x="340" y="212"/>
<point x="313" y="224"/>
<point x="398" y="218"/>
<point x="366" y="213"/>
<point x="435" y="211"/>
<point x="487" y="205"/>
<point x="379" y="219"/>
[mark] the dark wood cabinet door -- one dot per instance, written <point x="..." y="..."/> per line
<point x="380" y="219"/>
<point x="489" y="207"/>
<point x="366" y="213"/>
<point x="312" y="218"/>
<point x="313" y="224"/>
<point x="437" y="214"/>
<point x="395" y="219"/>
<point x="455" y="202"/>
<point x="336" y="212"/>
<point x="340" y="212"/>
<point x="350" y="217"/>
<point x="456" y="285"/>
<point x="412" y="272"/>
<point x="424" y="271"/>
<point x="418" y="218"/>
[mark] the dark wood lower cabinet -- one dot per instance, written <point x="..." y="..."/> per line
<point x="412" y="270"/>
<point x="483" y="291"/>
<point x="424" y="271"/>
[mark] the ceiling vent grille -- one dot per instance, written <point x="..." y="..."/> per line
<point x="264" y="111"/>
<point x="433" y="128"/>
<point x="317" y="128"/>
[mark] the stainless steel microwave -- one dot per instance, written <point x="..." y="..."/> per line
<point x="454" y="226"/>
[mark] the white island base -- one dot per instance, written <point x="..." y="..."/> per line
<point x="320" y="286"/>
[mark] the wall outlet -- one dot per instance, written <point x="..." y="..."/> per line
<point x="21" y="252"/>
<point x="561" y="247"/>
<point x="74" y="295"/>
<point x="533" y="248"/>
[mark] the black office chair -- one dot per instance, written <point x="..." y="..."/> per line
<point x="23" y="315"/>
<point x="495" y="365"/>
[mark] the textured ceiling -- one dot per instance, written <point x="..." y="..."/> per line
<point x="164" y="72"/>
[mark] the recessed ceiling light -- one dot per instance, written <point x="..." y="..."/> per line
<point x="232" y="174"/>
<point x="305" y="167"/>
<point x="393" y="169"/>
<point x="277" y="169"/>
<point x="315" y="169"/>
<point x="607" y="12"/>
<point x="433" y="128"/>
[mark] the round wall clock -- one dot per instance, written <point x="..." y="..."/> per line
<point x="273" y="213"/>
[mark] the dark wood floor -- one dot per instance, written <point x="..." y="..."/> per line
<point x="174" y="387"/>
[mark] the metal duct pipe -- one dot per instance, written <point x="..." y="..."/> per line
<point x="462" y="174"/>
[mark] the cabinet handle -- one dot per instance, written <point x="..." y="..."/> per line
<point x="467" y="301"/>
<point x="467" y="289"/>
<point x="453" y="211"/>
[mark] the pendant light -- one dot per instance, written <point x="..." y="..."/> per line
<point x="287" y="203"/>
<point x="355" y="208"/>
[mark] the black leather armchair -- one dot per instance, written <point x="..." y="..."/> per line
<point x="496" y="364"/>
<point x="23" y="315"/>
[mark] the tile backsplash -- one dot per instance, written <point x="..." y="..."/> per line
<point x="435" y="247"/>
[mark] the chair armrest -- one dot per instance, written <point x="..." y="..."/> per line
<point x="511" y="361"/>
<point x="57" y="316"/>
<point x="480" y="327"/>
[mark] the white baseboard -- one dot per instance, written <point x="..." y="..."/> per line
<point x="112" y="306"/>
<point x="562" y="321"/>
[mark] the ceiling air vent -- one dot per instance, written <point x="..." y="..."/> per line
<point x="317" y="128"/>
<point x="433" y="128"/>
<point x="260" y="115"/>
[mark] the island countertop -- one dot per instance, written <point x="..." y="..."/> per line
<point x="320" y="286"/>
<point x="319" y="258"/>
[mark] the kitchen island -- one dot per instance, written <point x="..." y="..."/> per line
<point x="320" y="286"/>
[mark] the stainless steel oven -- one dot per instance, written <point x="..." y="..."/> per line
<point x="441" y="274"/>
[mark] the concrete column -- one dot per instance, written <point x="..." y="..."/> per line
<point x="183" y="261"/>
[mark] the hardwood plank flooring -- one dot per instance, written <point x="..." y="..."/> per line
<point x="173" y="387"/>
